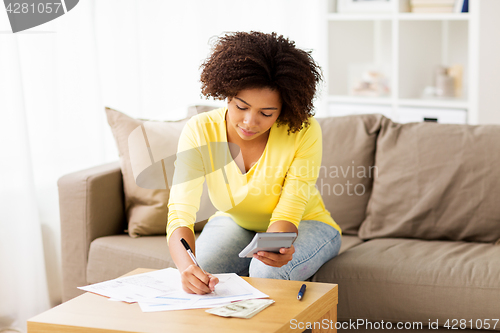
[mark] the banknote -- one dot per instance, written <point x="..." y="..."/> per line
<point x="241" y="309"/>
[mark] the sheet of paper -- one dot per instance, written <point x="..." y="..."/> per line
<point x="161" y="290"/>
<point x="138" y="287"/>
<point x="230" y="288"/>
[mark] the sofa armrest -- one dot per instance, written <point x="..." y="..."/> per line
<point x="91" y="205"/>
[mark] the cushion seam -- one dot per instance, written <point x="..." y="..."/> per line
<point x="415" y="284"/>
<point x="112" y="249"/>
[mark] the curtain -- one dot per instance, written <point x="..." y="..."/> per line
<point x="140" y="57"/>
<point x="23" y="287"/>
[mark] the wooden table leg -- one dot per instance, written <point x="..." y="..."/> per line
<point x="331" y="319"/>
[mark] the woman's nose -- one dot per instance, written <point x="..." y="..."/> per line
<point x="249" y="120"/>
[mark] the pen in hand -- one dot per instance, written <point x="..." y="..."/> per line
<point x="188" y="249"/>
<point x="302" y="291"/>
<point x="193" y="258"/>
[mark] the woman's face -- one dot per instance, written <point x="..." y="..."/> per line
<point x="252" y="112"/>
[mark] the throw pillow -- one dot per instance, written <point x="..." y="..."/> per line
<point x="435" y="182"/>
<point x="346" y="174"/>
<point x="152" y="143"/>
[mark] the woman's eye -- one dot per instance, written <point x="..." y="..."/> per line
<point x="264" y="114"/>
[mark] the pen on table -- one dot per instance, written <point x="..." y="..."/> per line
<point x="302" y="291"/>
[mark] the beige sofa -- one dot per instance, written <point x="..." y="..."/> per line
<point x="418" y="205"/>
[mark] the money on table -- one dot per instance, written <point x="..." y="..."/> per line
<point x="241" y="309"/>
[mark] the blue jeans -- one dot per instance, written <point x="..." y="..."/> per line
<point x="221" y="241"/>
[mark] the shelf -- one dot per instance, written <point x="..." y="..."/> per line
<point x="433" y="16"/>
<point x="407" y="48"/>
<point x="399" y="16"/>
<point x="422" y="46"/>
<point x="359" y="17"/>
<point x="360" y="100"/>
<point x="387" y="101"/>
<point x="435" y="103"/>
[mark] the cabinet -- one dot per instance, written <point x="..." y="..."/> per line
<point x="407" y="48"/>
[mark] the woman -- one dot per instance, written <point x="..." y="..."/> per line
<point x="260" y="156"/>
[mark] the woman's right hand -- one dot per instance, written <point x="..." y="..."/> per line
<point x="195" y="281"/>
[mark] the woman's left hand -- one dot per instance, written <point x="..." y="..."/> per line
<point x="276" y="259"/>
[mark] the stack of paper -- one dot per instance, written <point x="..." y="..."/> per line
<point x="162" y="290"/>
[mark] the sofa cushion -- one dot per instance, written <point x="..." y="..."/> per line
<point x="113" y="256"/>
<point x="416" y="280"/>
<point x="348" y="242"/>
<point x="146" y="198"/>
<point x="345" y="178"/>
<point x="435" y="182"/>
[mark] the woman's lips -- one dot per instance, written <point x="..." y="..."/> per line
<point x="247" y="133"/>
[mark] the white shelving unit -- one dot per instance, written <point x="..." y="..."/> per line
<point x="407" y="48"/>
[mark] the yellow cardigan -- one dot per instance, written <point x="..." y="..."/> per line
<point x="280" y="186"/>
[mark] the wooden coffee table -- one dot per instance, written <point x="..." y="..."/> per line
<point x="94" y="313"/>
